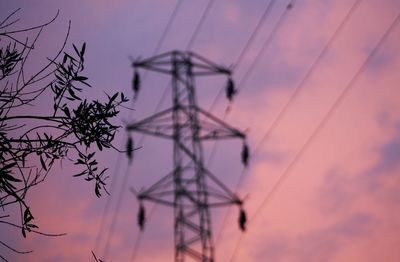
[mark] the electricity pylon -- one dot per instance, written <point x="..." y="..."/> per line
<point x="190" y="188"/>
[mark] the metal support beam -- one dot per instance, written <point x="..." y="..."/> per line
<point x="190" y="188"/>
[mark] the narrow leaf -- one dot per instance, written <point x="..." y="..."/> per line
<point x="43" y="163"/>
<point x="83" y="50"/>
<point x="76" y="49"/>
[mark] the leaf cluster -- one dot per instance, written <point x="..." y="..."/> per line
<point x="9" y="58"/>
<point x="71" y="129"/>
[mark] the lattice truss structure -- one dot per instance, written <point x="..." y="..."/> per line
<point x="190" y="188"/>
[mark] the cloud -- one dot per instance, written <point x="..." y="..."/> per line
<point x="325" y="243"/>
<point x="340" y="201"/>
<point x="389" y="153"/>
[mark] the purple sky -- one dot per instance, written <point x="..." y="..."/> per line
<point x="338" y="202"/>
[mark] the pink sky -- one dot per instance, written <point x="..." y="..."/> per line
<point x="339" y="202"/>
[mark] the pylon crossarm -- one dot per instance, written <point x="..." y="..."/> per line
<point x="220" y="135"/>
<point x="153" y="133"/>
<point x="206" y="73"/>
<point x="213" y="198"/>
<point x="221" y="204"/>
<point x="214" y="193"/>
<point x="212" y="132"/>
<point x="144" y="62"/>
<point x="160" y="198"/>
<point x="222" y="201"/>
<point x="158" y="69"/>
<point x="160" y="194"/>
<point x="198" y="64"/>
<point x="212" y="128"/>
<point x="165" y="181"/>
<point x="165" y="202"/>
<point x="221" y="70"/>
<point x="159" y="201"/>
<point x="221" y="185"/>
<point x="199" y="70"/>
<point x="154" y="125"/>
<point x="171" y="193"/>
<point x="229" y="129"/>
<point x="211" y="69"/>
<point x="162" y="183"/>
<point x="150" y="119"/>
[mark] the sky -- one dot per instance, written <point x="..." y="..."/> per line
<point x="323" y="182"/>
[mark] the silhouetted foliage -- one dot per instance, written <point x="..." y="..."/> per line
<point x="96" y="259"/>
<point x="70" y="129"/>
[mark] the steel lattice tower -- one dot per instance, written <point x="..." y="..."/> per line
<point x="189" y="188"/>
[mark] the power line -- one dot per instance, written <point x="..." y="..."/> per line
<point x="245" y="48"/>
<point x="167" y="27"/>
<point x="322" y="123"/>
<point x="193" y="233"/>
<point x="136" y="246"/>
<point x="252" y="66"/>
<point x="335" y="105"/>
<point x="139" y="237"/>
<point x="271" y="36"/>
<point x="297" y="90"/>
<point x="113" y="182"/>
<point x="163" y="36"/>
<point x="254" y="33"/>
<point x="200" y="24"/>
<point x="266" y="43"/>
<point x="188" y="46"/>
<point x="300" y="86"/>
<point x="159" y="104"/>
<point x="163" y="97"/>
<point x="277" y="26"/>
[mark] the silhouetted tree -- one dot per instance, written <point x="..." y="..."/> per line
<point x="71" y="128"/>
